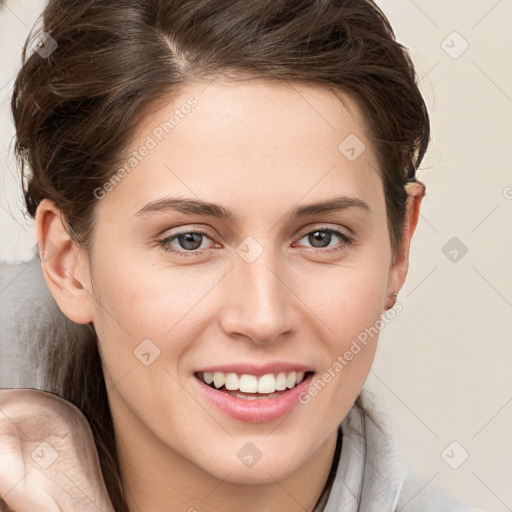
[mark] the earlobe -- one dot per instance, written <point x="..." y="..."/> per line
<point x="64" y="265"/>
<point x="400" y="265"/>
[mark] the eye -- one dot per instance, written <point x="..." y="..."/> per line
<point x="189" y="242"/>
<point x="321" y="238"/>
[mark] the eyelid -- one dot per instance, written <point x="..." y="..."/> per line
<point x="325" y="227"/>
<point x="164" y="242"/>
<point x="346" y="239"/>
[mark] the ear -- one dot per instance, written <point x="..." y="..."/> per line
<point x="65" y="265"/>
<point x="400" y="263"/>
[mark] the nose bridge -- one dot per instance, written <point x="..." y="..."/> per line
<point x="259" y="300"/>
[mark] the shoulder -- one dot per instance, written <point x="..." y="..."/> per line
<point x="372" y="475"/>
<point x="417" y="495"/>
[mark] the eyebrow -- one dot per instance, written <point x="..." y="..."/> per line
<point x="198" y="207"/>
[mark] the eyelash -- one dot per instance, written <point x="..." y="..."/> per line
<point x="164" y="242"/>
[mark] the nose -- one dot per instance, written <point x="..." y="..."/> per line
<point x="259" y="305"/>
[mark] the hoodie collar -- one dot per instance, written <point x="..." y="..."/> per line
<point x="369" y="475"/>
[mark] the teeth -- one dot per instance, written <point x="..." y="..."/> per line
<point x="266" y="384"/>
<point x="232" y="381"/>
<point x="218" y="379"/>
<point x="291" y="379"/>
<point x="281" y="381"/>
<point x="248" y="384"/>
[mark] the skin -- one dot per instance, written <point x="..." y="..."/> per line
<point x="258" y="149"/>
<point x="49" y="462"/>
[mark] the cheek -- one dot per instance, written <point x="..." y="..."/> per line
<point x="349" y="350"/>
<point x="352" y="299"/>
<point x="136" y="303"/>
<point x="352" y="306"/>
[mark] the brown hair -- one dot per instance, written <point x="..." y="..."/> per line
<point x="106" y="64"/>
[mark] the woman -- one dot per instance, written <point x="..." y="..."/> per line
<point x="225" y="195"/>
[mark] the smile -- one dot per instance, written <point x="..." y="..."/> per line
<point x="250" y="398"/>
<point x="266" y="384"/>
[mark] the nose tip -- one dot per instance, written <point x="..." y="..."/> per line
<point x="257" y="323"/>
<point x="265" y="335"/>
<point x="259" y="305"/>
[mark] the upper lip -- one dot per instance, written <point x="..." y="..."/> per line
<point x="256" y="369"/>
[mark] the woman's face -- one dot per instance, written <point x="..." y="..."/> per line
<point x="255" y="292"/>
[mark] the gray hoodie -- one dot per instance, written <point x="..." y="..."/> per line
<point x="372" y="476"/>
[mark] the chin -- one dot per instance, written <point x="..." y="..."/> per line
<point x="263" y="472"/>
<point x="241" y="463"/>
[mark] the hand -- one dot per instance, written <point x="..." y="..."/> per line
<point x="48" y="459"/>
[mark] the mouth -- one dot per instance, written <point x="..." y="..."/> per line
<point x="252" y="387"/>
<point x="253" y="394"/>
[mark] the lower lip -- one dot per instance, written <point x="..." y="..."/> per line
<point x="255" y="411"/>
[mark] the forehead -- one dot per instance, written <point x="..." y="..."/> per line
<point x="240" y="141"/>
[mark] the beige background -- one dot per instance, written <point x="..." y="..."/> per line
<point x="443" y="367"/>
